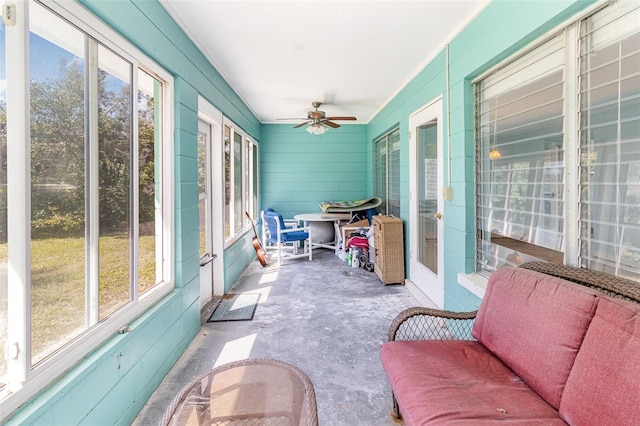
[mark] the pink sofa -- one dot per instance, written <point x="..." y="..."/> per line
<point x="539" y="350"/>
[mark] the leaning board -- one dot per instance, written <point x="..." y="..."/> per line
<point x="350" y="206"/>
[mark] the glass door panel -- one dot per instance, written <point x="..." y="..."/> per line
<point x="205" y="211"/>
<point x="427" y="146"/>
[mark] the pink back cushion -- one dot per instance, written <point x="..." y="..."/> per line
<point x="604" y="385"/>
<point x="535" y="324"/>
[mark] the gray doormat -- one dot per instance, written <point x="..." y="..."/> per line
<point x="235" y="307"/>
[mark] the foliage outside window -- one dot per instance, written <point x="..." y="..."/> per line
<point x="98" y="206"/>
<point x="240" y="179"/>
<point x="387" y="153"/>
<point x="523" y="142"/>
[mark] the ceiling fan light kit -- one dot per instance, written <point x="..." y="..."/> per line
<point x="318" y="122"/>
<point x="316" y="129"/>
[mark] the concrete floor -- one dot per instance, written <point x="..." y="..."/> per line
<point x="323" y="316"/>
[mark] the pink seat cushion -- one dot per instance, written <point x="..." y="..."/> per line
<point x="604" y="385"/>
<point x="459" y="382"/>
<point x="535" y="324"/>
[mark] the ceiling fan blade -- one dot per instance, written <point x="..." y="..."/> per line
<point x="330" y="124"/>
<point x="341" y="118"/>
<point x="301" y="124"/>
<point x="292" y="118"/>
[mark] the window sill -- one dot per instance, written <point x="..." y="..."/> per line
<point x="476" y="284"/>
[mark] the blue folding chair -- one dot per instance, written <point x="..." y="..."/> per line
<point x="289" y="224"/>
<point x="286" y="239"/>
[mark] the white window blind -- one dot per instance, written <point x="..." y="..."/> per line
<point x="520" y="166"/>
<point x="388" y="172"/>
<point x="610" y="140"/>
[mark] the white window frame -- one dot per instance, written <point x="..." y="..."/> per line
<point x="248" y="144"/>
<point x="252" y="176"/>
<point x="25" y="381"/>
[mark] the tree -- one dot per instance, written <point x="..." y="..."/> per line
<point x="59" y="152"/>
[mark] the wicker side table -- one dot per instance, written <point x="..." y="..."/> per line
<point x="388" y="243"/>
<point x="247" y="392"/>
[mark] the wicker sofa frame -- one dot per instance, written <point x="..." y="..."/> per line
<point x="420" y="323"/>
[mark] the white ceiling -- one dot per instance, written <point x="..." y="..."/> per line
<point x="354" y="56"/>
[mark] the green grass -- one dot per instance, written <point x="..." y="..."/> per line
<point x="58" y="285"/>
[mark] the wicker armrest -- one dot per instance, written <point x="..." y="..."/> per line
<point x="421" y="323"/>
<point x="611" y="285"/>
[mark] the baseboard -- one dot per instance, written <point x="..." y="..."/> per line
<point x="422" y="298"/>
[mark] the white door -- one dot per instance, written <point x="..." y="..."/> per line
<point x="210" y="199"/>
<point x="426" y="202"/>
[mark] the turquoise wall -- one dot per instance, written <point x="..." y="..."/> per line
<point x="298" y="170"/>
<point x="500" y="30"/>
<point x="111" y="385"/>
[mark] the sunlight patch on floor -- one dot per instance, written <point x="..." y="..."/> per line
<point x="236" y="350"/>
<point x="264" y="293"/>
<point x="268" y="277"/>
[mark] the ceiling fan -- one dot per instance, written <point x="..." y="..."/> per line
<point x="319" y="121"/>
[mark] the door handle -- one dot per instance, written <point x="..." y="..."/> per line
<point x="438" y="216"/>
<point x="207" y="258"/>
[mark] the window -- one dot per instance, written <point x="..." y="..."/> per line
<point x="251" y="177"/>
<point x="240" y="177"/>
<point x="254" y="178"/>
<point x="610" y="141"/>
<point x="238" y="181"/>
<point x="524" y="141"/>
<point x="387" y="149"/>
<point x="4" y="288"/>
<point x="520" y="161"/>
<point x="96" y="185"/>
